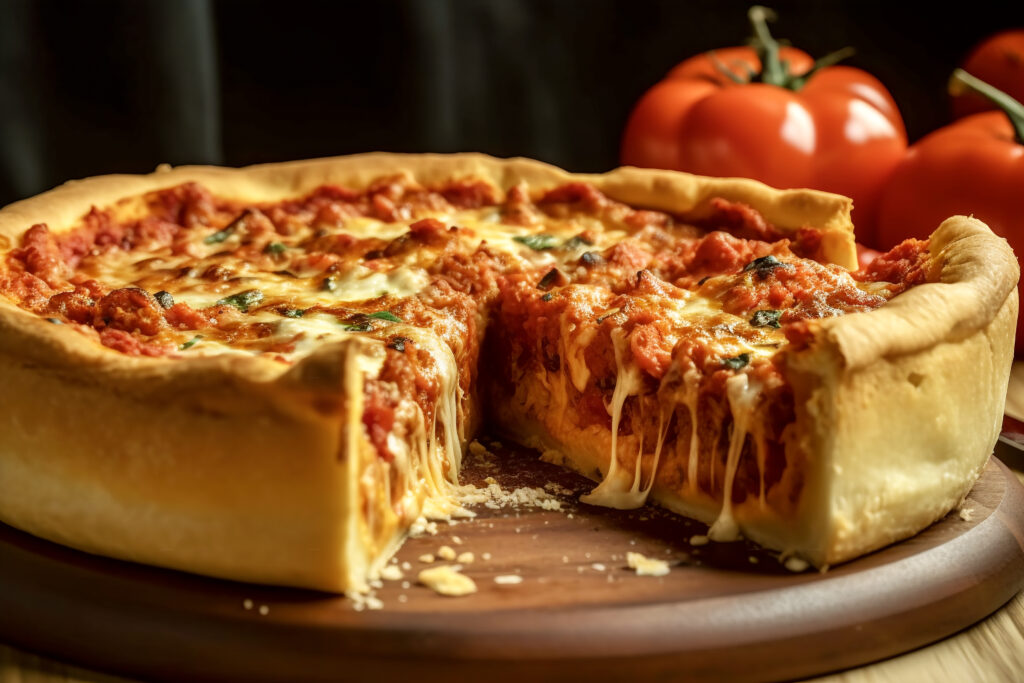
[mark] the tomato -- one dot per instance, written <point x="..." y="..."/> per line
<point x="773" y="114"/>
<point x="999" y="61"/>
<point x="974" y="166"/>
<point x="866" y="256"/>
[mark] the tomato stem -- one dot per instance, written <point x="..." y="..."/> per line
<point x="767" y="48"/>
<point x="775" y="71"/>
<point x="961" y="82"/>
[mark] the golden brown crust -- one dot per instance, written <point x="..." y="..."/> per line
<point x="152" y="432"/>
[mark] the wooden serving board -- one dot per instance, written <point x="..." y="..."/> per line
<point x="724" y="611"/>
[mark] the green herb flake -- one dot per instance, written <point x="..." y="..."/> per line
<point x="737" y="362"/>
<point x="547" y="297"/>
<point x="385" y="315"/>
<point x="275" y="248"/>
<point x="329" y="284"/>
<point x="538" y="242"/>
<point x="361" y="326"/>
<point x="577" y="242"/>
<point x="549" y="279"/>
<point x="190" y="343"/>
<point x="398" y="343"/>
<point x="164" y="299"/>
<point x="765" y="265"/>
<point x="55" y="321"/>
<point x="293" y="312"/>
<point x="219" y="236"/>
<point x="243" y="301"/>
<point x="766" y="318"/>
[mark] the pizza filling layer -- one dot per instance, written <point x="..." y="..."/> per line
<point x="667" y="335"/>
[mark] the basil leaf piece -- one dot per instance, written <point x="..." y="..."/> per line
<point x="737" y="362"/>
<point x="385" y="315"/>
<point x="765" y="265"/>
<point x="398" y="343"/>
<point x="243" y="300"/>
<point x="164" y="299"/>
<point x="190" y="343"/>
<point x="363" y="326"/>
<point x="55" y="321"/>
<point x="218" y="237"/>
<point x="549" y="279"/>
<point x="537" y="242"/>
<point x="547" y="297"/>
<point x="274" y="248"/>
<point x="577" y="242"/>
<point x="766" y="318"/>
<point x="293" y="312"/>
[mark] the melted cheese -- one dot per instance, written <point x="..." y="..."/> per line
<point x="743" y="396"/>
<point x="616" y="491"/>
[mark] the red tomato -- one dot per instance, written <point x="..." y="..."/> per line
<point x="770" y="113"/>
<point x="974" y="166"/>
<point x="999" y="61"/>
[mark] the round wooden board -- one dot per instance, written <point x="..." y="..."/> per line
<point x="724" y="611"/>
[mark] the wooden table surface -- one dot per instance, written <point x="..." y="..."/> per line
<point x="992" y="650"/>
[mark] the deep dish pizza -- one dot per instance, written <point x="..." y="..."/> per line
<point x="268" y="374"/>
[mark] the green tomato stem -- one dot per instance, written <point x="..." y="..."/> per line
<point x="767" y="48"/>
<point x="961" y="82"/>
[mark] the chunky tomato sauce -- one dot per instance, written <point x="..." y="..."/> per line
<point x="609" y="286"/>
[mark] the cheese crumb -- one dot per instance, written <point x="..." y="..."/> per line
<point x="508" y="579"/>
<point x="403" y="598"/>
<point x="373" y="602"/>
<point x="391" y="573"/>
<point x="447" y="581"/>
<point x="598" y="567"/>
<point x="456" y="540"/>
<point x="485" y="556"/>
<point x="796" y="564"/>
<point x="247" y="603"/>
<point x="406" y="566"/>
<point x="264" y="610"/>
<point x="494" y="497"/>
<point x="465" y="558"/>
<point x="966" y="514"/>
<point x="699" y="539"/>
<point x="446" y="552"/>
<point x="646" y="566"/>
<point x="427" y="558"/>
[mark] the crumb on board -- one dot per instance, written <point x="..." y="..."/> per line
<point x="392" y="572"/>
<point x="485" y="556"/>
<point x="966" y="513"/>
<point x="465" y="558"/>
<point x="456" y="540"/>
<point x="508" y="579"/>
<point x="699" y="539"/>
<point x="446" y="552"/>
<point x="447" y="580"/>
<point x="598" y="567"/>
<point x="426" y="558"/>
<point x="646" y="566"/>
<point x="247" y="603"/>
<point x="494" y="497"/>
<point x="264" y="610"/>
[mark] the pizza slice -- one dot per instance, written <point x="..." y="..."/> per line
<point x="269" y="374"/>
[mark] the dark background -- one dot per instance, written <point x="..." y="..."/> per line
<point x="122" y="85"/>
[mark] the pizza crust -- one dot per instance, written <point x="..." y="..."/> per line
<point x="179" y="463"/>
